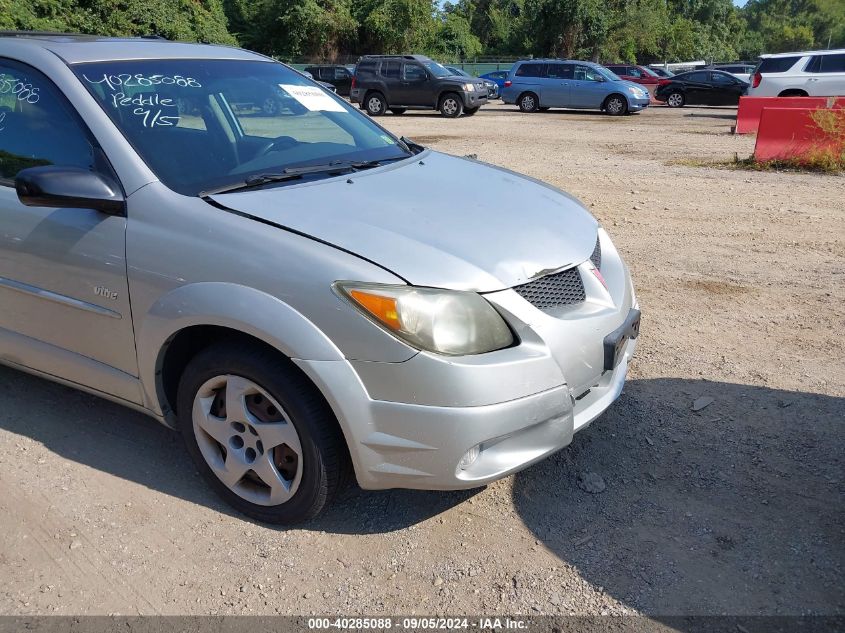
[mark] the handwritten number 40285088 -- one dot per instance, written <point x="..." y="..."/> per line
<point x="20" y="88"/>
<point x="126" y="80"/>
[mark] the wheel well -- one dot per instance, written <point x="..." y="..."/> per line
<point x="369" y="93"/>
<point x="443" y="94"/>
<point x="610" y="96"/>
<point x="793" y="93"/>
<point x="178" y="352"/>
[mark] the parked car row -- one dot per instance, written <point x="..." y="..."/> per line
<point x="394" y="83"/>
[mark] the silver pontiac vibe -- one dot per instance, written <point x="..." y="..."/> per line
<point x="212" y="238"/>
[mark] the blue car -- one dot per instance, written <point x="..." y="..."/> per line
<point x="492" y="86"/>
<point x="498" y="77"/>
<point x="540" y="84"/>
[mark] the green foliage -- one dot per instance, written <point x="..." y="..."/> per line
<point x="607" y="30"/>
<point x="454" y="38"/>
<point x="197" y="20"/>
<point x="395" y="26"/>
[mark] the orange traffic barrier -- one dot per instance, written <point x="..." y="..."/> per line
<point x="790" y="133"/>
<point x="750" y="108"/>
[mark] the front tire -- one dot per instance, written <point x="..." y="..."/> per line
<point x="616" y="105"/>
<point x="451" y="105"/>
<point x="375" y="104"/>
<point x="528" y="102"/>
<point x="676" y="100"/>
<point x="260" y="433"/>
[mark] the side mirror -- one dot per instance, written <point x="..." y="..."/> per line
<point x="72" y="187"/>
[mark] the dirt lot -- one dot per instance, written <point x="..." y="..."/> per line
<point x="736" y="508"/>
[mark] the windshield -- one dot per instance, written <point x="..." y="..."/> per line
<point x="649" y="72"/>
<point x="437" y="70"/>
<point x="206" y="124"/>
<point x="458" y="71"/>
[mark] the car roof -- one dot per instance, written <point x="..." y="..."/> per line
<point x="419" y="58"/>
<point x="75" y="48"/>
<point x="833" y="51"/>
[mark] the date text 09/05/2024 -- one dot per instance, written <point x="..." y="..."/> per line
<point x="419" y="623"/>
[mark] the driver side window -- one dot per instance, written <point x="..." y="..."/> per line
<point x="414" y="73"/>
<point x="37" y="125"/>
<point x="584" y="73"/>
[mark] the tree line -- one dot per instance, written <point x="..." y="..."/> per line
<point x="604" y="30"/>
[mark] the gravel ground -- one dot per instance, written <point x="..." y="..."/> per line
<point x="657" y="508"/>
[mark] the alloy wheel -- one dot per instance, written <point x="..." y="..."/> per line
<point x="528" y="103"/>
<point x="450" y="106"/>
<point x="374" y="105"/>
<point x="247" y="440"/>
<point x="615" y="105"/>
<point x="675" y="100"/>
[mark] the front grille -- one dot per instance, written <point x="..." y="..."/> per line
<point x="552" y="291"/>
<point x="596" y="256"/>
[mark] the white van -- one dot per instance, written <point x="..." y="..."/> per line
<point x="808" y="74"/>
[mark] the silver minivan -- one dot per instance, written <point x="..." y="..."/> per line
<point x="300" y="293"/>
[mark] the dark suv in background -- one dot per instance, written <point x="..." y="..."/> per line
<point x="335" y="74"/>
<point x="399" y="82"/>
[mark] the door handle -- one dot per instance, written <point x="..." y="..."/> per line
<point x="813" y="79"/>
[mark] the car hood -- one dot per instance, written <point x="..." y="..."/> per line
<point x="630" y="84"/>
<point x="436" y="220"/>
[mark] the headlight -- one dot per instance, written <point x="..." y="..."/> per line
<point x="469" y="87"/>
<point x="444" y="321"/>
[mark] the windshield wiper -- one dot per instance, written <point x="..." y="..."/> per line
<point x="411" y="146"/>
<point x="293" y="173"/>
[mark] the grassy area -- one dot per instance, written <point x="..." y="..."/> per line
<point x="824" y="163"/>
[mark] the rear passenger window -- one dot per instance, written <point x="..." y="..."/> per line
<point x="697" y="76"/>
<point x="37" y="124"/>
<point x="530" y="70"/>
<point x="777" y="64"/>
<point x="390" y="69"/>
<point x="366" y="68"/>
<point x="832" y="64"/>
<point x="559" y="71"/>
<point x="341" y="73"/>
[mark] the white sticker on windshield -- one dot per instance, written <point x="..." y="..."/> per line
<point x="312" y="98"/>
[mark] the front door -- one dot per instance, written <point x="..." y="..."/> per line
<point x="413" y="89"/>
<point x="589" y="88"/>
<point x="726" y="89"/>
<point x="62" y="271"/>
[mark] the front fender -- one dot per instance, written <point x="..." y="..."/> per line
<point x="229" y="305"/>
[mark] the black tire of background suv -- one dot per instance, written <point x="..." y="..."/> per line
<point x="460" y="102"/>
<point x="378" y="95"/>
<point x="398" y="111"/>
<point x="471" y="111"/>
<point x="324" y="455"/>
